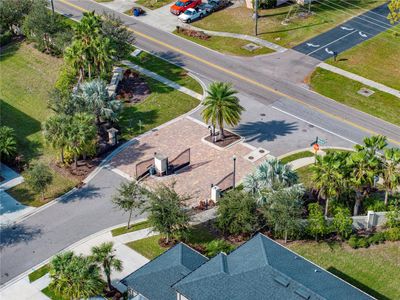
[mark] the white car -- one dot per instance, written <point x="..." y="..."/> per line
<point x="190" y="15"/>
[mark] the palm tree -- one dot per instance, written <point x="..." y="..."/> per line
<point x="75" y="277"/>
<point x="130" y="196"/>
<point x="363" y="168"/>
<point x="55" y="131"/>
<point x="93" y="97"/>
<point x="327" y="176"/>
<point x="391" y="171"/>
<point x="105" y="256"/>
<point x="8" y="143"/>
<point x="221" y="106"/>
<point x="81" y="132"/>
<point x="271" y="175"/>
<point x="76" y="58"/>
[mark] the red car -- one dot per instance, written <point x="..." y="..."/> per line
<point x="181" y="6"/>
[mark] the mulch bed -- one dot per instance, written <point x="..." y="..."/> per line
<point x="132" y="88"/>
<point x="229" y="139"/>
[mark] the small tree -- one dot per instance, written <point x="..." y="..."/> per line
<point x="316" y="223"/>
<point x="56" y="131"/>
<point x="39" y="178"/>
<point x="8" y="143"/>
<point x="167" y="214"/>
<point x="391" y="171"/>
<point x="75" y="277"/>
<point x="237" y="213"/>
<point x="104" y="255"/>
<point x="130" y="196"/>
<point x="342" y="222"/>
<point x="394" y="11"/>
<point x="283" y="209"/>
<point x="216" y="246"/>
<point x="12" y="13"/>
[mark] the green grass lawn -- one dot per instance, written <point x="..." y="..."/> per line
<point x="344" y="90"/>
<point x="227" y="45"/>
<point x="134" y="227"/>
<point x="167" y="70"/>
<point x="375" y="270"/>
<point x="305" y="176"/>
<point x="35" y="275"/>
<point x="297" y="155"/>
<point x="27" y="78"/>
<point x="53" y="295"/>
<point x="149" y="247"/>
<point x="163" y="104"/>
<point x="325" y="17"/>
<point x="374" y="59"/>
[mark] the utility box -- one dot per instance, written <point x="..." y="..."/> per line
<point x="215" y="193"/>
<point x="112" y="136"/>
<point x="161" y="163"/>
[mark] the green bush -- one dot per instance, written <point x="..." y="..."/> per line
<point x="215" y="247"/>
<point x="363" y="242"/>
<point x="377" y="238"/>
<point x="5" y="38"/>
<point x="353" y="242"/>
<point x="66" y="79"/>
<point x="264" y="4"/>
<point x="393" y="234"/>
<point x="374" y="204"/>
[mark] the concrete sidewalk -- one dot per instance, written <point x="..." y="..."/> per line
<point x="363" y="80"/>
<point x="21" y="288"/>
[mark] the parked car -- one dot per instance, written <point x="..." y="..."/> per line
<point x="181" y="6"/>
<point x="206" y="8"/>
<point x="218" y="4"/>
<point x="191" y="15"/>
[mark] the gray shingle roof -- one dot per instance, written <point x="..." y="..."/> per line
<point x="263" y="269"/>
<point x="154" y="280"/>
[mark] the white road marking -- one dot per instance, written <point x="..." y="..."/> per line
<point x="346" y="28"/>
<point x="317" y="126"/>
<point x="312" y="45"/>
<point x="328" y="51"/>
<point x="333" y="42"/>
<point x="362" y="34"/>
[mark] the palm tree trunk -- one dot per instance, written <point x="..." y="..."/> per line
<point x="76" y="160"/>
<point x="90" y="71"/>
<point x="62" y="154"/>
<point x="357" y="205"/>
<point x="42" y="195"/>
<point x="285" y="236"/>
<point x="386" y="197"/>
<point x="221" y="132"/>
<point x="167" y="239"/>
<point x="129" y="220"/>
<point x="109" y="282"/>
<point x="326" y="207"/>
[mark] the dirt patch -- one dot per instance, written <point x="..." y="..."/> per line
<point x="229" y="139"/>
<point x="132" y="88"/>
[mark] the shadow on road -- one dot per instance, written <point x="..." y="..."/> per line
<point x="265" y="131"/>
<point x="84" y="193"/>
<point x="14" y="234"/>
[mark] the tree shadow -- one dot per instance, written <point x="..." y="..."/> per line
<point x="84" y="193"/>
<point x="357" y="284"/>
<point x="24" y="126"/>
<point x="171" y="56"/>
<point x="14" y="234"/>
<point x="133" y="119"/>
<point x="293" y="28"/>
<point x="265" y="131"/>
<point x="9" y="50"/>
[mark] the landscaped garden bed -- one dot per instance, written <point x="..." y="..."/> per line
<point x="229" y="139"/>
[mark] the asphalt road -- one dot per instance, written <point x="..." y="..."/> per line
<point x="269" y="84"/>
<point x="348" y="34"/>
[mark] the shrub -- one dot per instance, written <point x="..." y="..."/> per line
<point x="66" y="79"/>
<point x="215" y="247"/>
<point x="39" y="177"/>
<point x="264" y="4"/>
<point x="342" y="222"/>
<point x="393" y="234"/>
<point x="374" y="204"/>
<point x="5" y="38"/>
<point x="353" y="242"/>
<point x="377" y="238"/>
<point x="393" y="217"/>
<point x="363" y="242"/>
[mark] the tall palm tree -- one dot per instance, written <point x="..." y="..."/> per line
<point x="104" y="255"/>
<point x="55" y="131"/>
<point x="8" y="143"/>
<point x="76" y="58"/>
<point x="75" y="277"/>
<point x="222" y="106"/>
<point x="391" y="171"/>
<point x="327" y="176"/>
<point x="363" y="168"/>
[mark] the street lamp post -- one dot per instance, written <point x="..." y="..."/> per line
<point x="256" y="16"/>
<point x="234" y="171"/>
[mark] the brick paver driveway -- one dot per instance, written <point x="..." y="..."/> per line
<point x="208" y="164"/>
